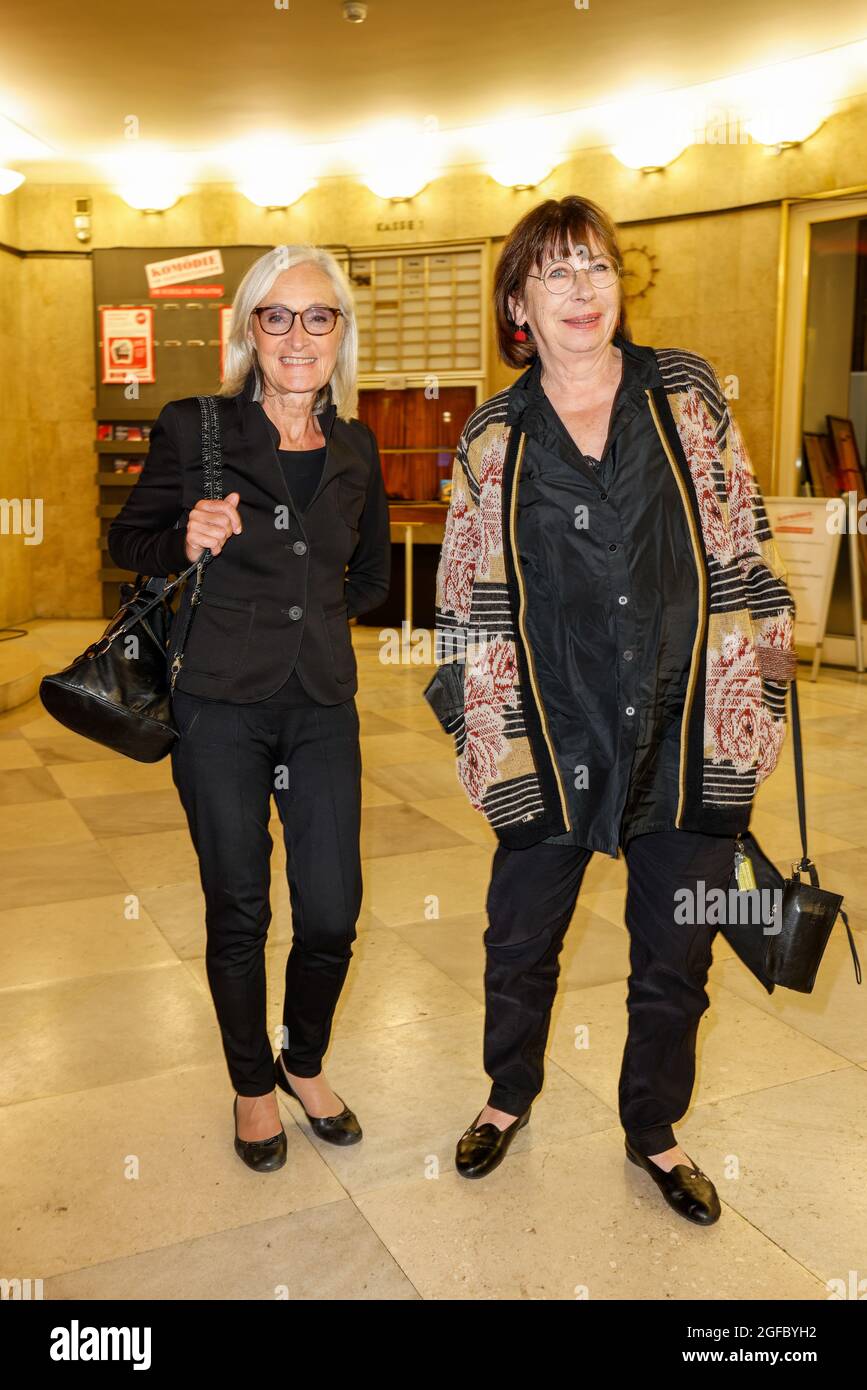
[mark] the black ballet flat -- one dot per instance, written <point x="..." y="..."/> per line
<point x="262" y="1155"/>
<point x="688" y="1191"/>
<point x="482" y="1150"/>
<point x="335" y="1129"/>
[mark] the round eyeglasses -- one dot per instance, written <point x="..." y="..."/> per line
<point x="559" y="276"/>
<point x="316" y="319"/>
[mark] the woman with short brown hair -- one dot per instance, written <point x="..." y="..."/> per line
<point x="614" y="635"/>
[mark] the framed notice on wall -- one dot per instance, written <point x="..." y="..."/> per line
<point x="127" y="337"/>
<point x="807" y="532"/>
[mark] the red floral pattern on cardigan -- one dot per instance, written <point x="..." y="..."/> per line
<point x="741" y="491"/>
<point x="699" y="445"/>
<point x="733" y="724"/>
<point x="489" y="688"/>
<point x="459" y="551"/>
<point x="473" y="534"/>
<point x="490" y="503"/>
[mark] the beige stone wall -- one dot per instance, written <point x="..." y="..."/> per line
<point x="715" y="293"/>
<point x="17" y="560"/>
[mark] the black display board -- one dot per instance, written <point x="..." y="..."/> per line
<point x="186" y="330"/>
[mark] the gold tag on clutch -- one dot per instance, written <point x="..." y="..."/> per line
<point x="744" y="874"/>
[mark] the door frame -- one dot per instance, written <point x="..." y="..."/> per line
<point x="799" y="215"/>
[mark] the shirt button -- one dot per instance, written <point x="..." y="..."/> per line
<point x="623" y="599"/>
<point x="603" y="496"/>
<point x="299" y="547"/>
<point x="630" y="709"/>
<point x="612" y="546"/>
<point x="294" y="612"/>
<point x="627" y="656"/>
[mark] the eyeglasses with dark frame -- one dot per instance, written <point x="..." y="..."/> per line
<point x="559" y="276"/>
<point x="317" y="319"/>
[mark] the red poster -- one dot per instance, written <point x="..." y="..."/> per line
<point x="127" y="344"/>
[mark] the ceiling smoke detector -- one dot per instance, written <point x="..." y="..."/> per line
<point x="354" y="11"/>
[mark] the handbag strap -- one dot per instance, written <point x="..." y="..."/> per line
<point x="799" y="773"/>
<point x="806" y="863"/>
<point x="212" y="464"/>
<point x="212" y="454"/>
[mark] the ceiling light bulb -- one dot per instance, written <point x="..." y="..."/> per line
<point x="397" y="162"/>
<point x="651" y="135"/>
<point x="787" y="122"/>
<point x="271" y="172"/>
<point x="519" y="154"/>
<point x="148" y="179"/>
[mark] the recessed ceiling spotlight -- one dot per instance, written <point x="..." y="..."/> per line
<point x="354" y="11"/>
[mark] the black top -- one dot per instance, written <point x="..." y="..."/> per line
<point x="302" y="469"/>
<point x="611" y="610"/>
<point x="283" y="576"/>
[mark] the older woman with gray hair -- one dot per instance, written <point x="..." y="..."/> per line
<point x="264" y="697"/>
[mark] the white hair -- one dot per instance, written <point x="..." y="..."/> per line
<point x="241" y="353"/>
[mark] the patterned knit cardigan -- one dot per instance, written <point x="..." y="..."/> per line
<point x="484" y="691"/>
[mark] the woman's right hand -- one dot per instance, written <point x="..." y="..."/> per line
<point x="211" y="523"/>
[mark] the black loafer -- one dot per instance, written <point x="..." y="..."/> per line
<point x="336" y="1129"/>
<point x="262" y="1155"/>
<point x="482" y="1150"/>
<point x="688" y="1191"/>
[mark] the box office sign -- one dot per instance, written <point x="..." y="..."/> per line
<point x="199" y="265"/>
<point x="127" y="344"/>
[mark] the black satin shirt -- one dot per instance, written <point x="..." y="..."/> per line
<point x="611" y="608"/>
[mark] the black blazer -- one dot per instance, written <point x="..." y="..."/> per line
<point x="281" y="591"/>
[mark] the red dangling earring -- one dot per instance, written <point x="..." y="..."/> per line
<point x="519" y="335"/>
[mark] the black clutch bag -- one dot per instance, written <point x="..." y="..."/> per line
<point x="118" y="691"/>
<point x="804" y="913"/>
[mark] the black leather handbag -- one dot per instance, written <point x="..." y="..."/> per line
<point x="804" y="913"/>
<point x="118" y="691"/>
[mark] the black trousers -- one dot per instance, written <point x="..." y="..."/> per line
<point x="530" y="903"/>
<point x="227" y="764"/>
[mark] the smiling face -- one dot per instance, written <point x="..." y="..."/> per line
<point x="583" y="319"/>
<point x="297" y="361"/>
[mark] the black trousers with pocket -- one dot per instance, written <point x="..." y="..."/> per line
<point x="530" y="902"/>
<point x="228" y="763"/>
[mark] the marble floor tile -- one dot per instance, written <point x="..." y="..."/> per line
<point x="739" y="1047"/>
<point x="65" y="747"/>
<point x="834" y="1013"/>
<point x="418" y="781"/>
<point x="88" y="936"/>
<point x="320" y="1252"/>
<point x="384" y="750"/>
<point x="790" y="1160"/>
<point x="78" y="1034"/>
<point x="388" y="830"/>
<point x="111" y="777"/>
<point x="17" y="752"/>
<point x="456" y="811"/>
<point x="418" y="887"/>
<point x="416" y="1089"/>
<point x="131" y="813"/>
<point x="58" y="872"/>
<point x="33" y="824"/>
<point x="148" y="1162"/>
<point x="24" y="784"/>
<point x="547" y="1225"/>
